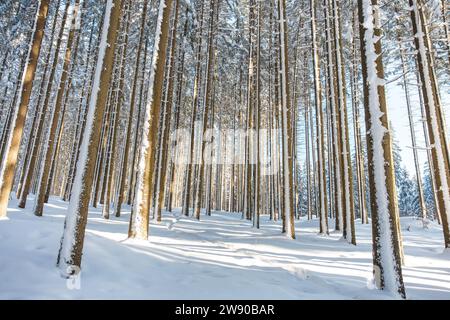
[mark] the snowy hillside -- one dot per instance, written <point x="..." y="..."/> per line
<point x="220" y="257"/>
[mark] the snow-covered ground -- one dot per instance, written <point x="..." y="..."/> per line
<point x="220" y="257"/>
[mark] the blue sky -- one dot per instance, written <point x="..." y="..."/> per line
<point x="399" y="119"/>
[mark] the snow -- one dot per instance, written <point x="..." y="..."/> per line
<point x="377" y="132"/>
<point x="221" y="257"/>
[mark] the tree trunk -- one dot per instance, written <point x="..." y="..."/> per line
<point x="9" y="162"/>
<point x="48" y="150"/>
<point x="422" y="204"/>
<point x="435" y="118"/>
<point x="206" y="108"/>
<point x="70" y="253"/>
<point x="287" y="156"/>
<point x="131" y="112"/>
<point x="197" y="80"/>
<point x="383" y="195"/>
<point x="147" y="153"/>
<point x="320" y="128"/>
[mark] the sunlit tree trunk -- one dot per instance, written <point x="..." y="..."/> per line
<point x="9" y="161"/>
<point x="206" y="108"/>
<point x="147" y="153"/>
<point x="383" y="194"/>
<point x="435" y="118"/>
<point x="197" y="80"/>
<point x="422" y="204"/>
<point x="71" y="249"/>
<point x="287" y="156"/>
<point x="320" y="128"/>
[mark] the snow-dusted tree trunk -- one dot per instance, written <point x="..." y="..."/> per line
<point x="147" y="153"/>
<point x="308" y="163"/>
<point x="423" y="114"/>
<point x="9" y="161"/>
<point x="43" y="86"/>
<point x="320" y="128"/>
<point x="257" y="184"/>
<point x="48" y="149"/>
<point x="195" y="91"/>
<point x="11" y="109"/>
<point x="63" y="95"/>
<point x="332" y="92"/>
<point x="383" y="195"/>
<point x="206" y="110"/>
<point x="137" y="135"/>
<point x="359" y="158"/>
<point x="89" y="74"/>
<point x="232" y="204"/>
<point x="168" y="105"/>
<point x="131" y="113"/>
<point x="249" y="119"/>
<point x="435" y="118"/>
<point x="423" y="207"/>
<point x="119" y="99"/>
<point x="39" y="135"/>
<point x="72" y="241"/>
<point x="177" y="111"/>
<point x="445" y="26"/>
<point x="344" y="154"/>
<point x="288" y="163"/>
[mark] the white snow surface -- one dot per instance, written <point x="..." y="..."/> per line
<point x="220" y="257"/>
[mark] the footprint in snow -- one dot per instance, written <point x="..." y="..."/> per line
<point x="173" y="222"/>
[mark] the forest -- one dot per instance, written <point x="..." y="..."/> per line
<point x="299" y="138"/>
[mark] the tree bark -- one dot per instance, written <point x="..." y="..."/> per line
<point x="72" y="241"/>
<point x="9" y="162"/>
<point x="147" y="154"/>
<point x="383" y="195"/>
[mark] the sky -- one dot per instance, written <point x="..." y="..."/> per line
<point x="398" y="115"/>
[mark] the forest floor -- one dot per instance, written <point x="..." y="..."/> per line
<point x="220" y="257"/>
